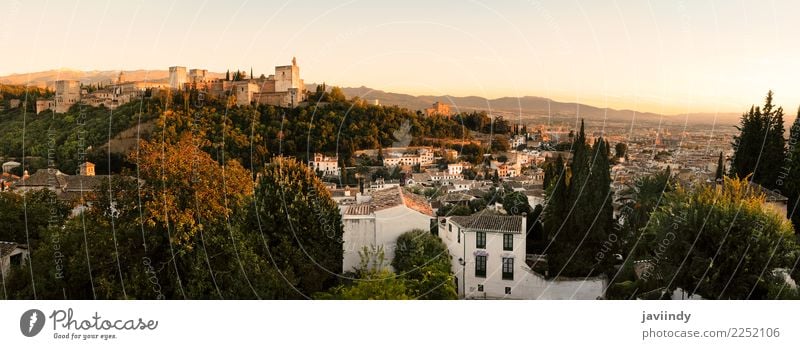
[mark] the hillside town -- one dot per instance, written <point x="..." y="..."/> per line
<point x="441" y="190"/>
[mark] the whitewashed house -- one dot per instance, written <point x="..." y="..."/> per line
<point x="489" y="261"/>
<point x="379" y="219"/>
<point x="328" y="165"/>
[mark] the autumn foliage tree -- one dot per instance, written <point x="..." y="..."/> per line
<point x="187" y="189"/>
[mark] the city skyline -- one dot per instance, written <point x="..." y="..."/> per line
<point x="662" y="58"/>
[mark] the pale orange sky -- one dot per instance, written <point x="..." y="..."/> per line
<point x="658" y="56"/>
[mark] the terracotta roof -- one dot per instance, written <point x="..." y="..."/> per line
<point x="490" y="222"/>
<point x="388" y="198"/>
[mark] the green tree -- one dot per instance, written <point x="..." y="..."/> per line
<point x="638" y="201"/>
<point x="760" y="148"/>
<point x="423" y="261"/>
<point x="516" y="204"/>
<point x="620" y="150"/>
<point x="791" y="179"/>
<point x="579" y="215"/>
<point x="720" y="168"/>
<point x="300" y="225"/>
<point x="720" y="242"/>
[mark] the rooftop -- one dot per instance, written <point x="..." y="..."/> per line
<point x="483" y="221"/>
<point x="388" y="198"/>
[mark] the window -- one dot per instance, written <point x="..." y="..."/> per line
<point x="480" y="266"/>
<point x="480" y="239"/>
<point x="480" y="288"/>
<point x="508" y="290"/>
<point x="16" y="260"/>
<point x="508" y="268"/>
<point x="508" y="242"/>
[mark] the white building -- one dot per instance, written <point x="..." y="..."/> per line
<point x="328" y="165"/>
<point x="516" y="141"/>
<point x="422" y="156"/>
<point x="489" y="261"/>
<point x="12" y="254"/>
<point x="378" y="220"/>
<point x="455" y="169"/>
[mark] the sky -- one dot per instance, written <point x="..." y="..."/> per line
<point x="667" y="57"/>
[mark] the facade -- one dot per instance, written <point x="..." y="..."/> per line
<point x="328" y="165"/>
<point x="378" y="220"/>
<point x="198" y="75"/>
<point x="45" y="104"/>
<point x="284" y="89"/>
<point x="488" y="253"/>
<point x="422" y="156"/>
<point x="439" y="109"/>
<point x="455" y="169"/>
<point x="68" y="92"/>
<point x="177" y="77"/>
<point x="490" y="262"/>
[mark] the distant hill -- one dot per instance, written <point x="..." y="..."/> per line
<point x="528" y="107"/>
<point x="45" y="78"/>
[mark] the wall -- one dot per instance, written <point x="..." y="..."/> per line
<point x="381" y="229"/>
<point x="359" y="231"/>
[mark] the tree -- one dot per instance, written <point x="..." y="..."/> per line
<point x="300" y="225"/>
<point x="500" y="144"/>
<point x="423" y="261"/>
<point x="791" y="181"/>
<point x="337" y="95"/>
<point x="453" y="210"/>
<point x="579" y="217"/>
<point x="760" y="148"/>
<point x="186" y="189"/>
<point x="620" y="150"/>
<point x="637" y="203"/>
<point x="720" y="168"/>
<point x="26" y="216"/>
<point x="720" y="242"/>
<point x="373" y="281"/>
<point x="516" y="204"/>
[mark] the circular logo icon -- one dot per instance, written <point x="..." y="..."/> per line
<point x="31" y="322"/>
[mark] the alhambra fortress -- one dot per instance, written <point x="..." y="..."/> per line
<point x="282" y="89"/>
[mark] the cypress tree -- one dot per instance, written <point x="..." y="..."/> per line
<point x="760" y="148"/>
<point x="720" y="168"/>
<point x="791" y="175"/>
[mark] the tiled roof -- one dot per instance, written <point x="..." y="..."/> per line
<point x="388" y="198"/>
<point x="7" y="247"/>
<point x="489" y="222"/>
<point x="43" y="178"/>
<point x="358" y="210"/>
<point x="84" y="183"/>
